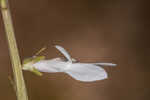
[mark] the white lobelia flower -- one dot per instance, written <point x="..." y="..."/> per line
<point x="86" y="72"/>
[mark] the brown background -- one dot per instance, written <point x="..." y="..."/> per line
<point x="91" y="30"/>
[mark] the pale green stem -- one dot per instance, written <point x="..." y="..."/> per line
<point x="14" y="54"/>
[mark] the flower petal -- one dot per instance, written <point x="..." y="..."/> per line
<point x="86" y="72"/>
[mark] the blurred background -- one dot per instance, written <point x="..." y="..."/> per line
<point x="92" y="31"/>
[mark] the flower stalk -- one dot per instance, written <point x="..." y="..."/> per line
<point x="14" y="54"/>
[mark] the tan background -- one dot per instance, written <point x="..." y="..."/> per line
<point x="91" y="30"/>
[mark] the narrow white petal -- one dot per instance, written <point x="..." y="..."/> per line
<point x="105" y="64"/>
<point x="64" y="52"/>
<point x="86" y="72"/>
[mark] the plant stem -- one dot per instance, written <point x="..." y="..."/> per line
<point x="14" y="54"/>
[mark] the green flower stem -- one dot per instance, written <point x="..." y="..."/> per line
<point x="14" y="54"/>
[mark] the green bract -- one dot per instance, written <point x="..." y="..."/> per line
<point x="28" y="64"/>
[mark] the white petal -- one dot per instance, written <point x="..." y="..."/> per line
<point x="53" y="65"/>
<point x="64" y="52"/>
<point x="86" y="72"/>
